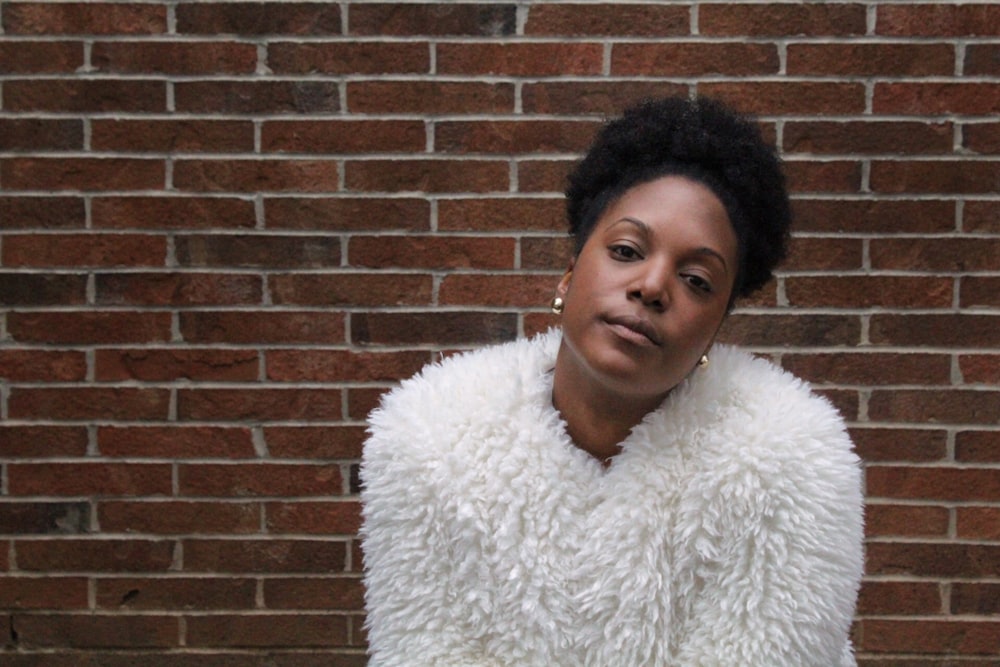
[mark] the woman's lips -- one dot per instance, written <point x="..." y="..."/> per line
<point x="636" y="330"/>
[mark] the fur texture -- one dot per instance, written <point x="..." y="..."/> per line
<point x="727" y="532"/>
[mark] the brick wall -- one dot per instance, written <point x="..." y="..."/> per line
<point x="226" y="228"/>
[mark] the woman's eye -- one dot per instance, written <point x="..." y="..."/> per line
<point x="699" y="283"/>
<point x="621" y="251"/>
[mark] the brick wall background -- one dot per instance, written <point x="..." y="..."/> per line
<point x="227" y="227"/>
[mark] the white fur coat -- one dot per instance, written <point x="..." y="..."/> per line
<point x="727" y="532"/>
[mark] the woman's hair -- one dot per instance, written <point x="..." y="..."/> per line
<point x="703" y="140"/>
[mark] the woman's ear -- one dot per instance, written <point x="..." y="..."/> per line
<point x="564" y="282"/>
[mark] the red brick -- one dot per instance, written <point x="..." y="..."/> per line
<point x="929" y="637"/>
<point x="900" y="444"/>
<point x="35" y="135"/>
<point x="63" y="593"/>
<point x="791" y="330"/>
<point x="267" y="630"/>
<point x="546" y="252"/>
<point x="521" y="59"/>
<point x="790" y="97"/>
<point x="315" y="518"/>
<point x="951" y="330"/>
<point x="175" y="442"/>
<point x="870" y="369"/>
<point x="432" y="19"/>
<point x="543" y="175"/>
<point x="84" y="18"/>
<point x="926" y="483"/>
<point x="982" y="138"/>
<point x="980" y="368"/>
<point x="85" y="95"/>
<point x="538" y="136"/>
<point x="174" y="57"/>
<point x="172" y="213"/>
<point x="981" y="216"/>
<point x="876" y="137"/>
<point x="977" y="446"/>
<point x="282" y="327"/>
<point x="874" y="216"/>
<point x="906" y="20"/>
<point x="431" y="252"/>
<point x="44" y="518"/>
<point x="511" y="290"/>
<point x="869" y="291"/>
<point x="342" y="365"/>
<point x="84" y="250"/>
<point x="94" y="327"/>
<point x="174" y="517"/>
<point x="979" y="291"/>
<point x="592" y="97"/>
<point x="694" y="59"/>
<point x="608" y="19"/>
<point x="41" y="212"/>
<point x="315" y="442"/>
<point x="42" y="441"/>
<point x="165" y="364"/>
<point x="899" y="597"/>
<point x="935" y="254"/>
<point x="746" y="19"/>
<point x="29" y="57"/>
<point x="175" y="593"/>
<point x="485" y="214"/>
<point x="349" y="57"/>
<point x="427" y="175"/>
<point x="823" y="253"/>
<point x="202" y="136"/>
<point x="982" y="60"/>
<point x="978" y="523"/>
<point x="259" y="18"/>
<point x="429" y="97"/>
<point x="435" y="328"/>
<point x="836" y="176"/>
<point x="94" y="555"/>
<point x="975" y="598"/>
<point x="260" y="479"/>
<point x="37" y="289"/>
<point x="88" y="479"/>
<point x="88" y="403"/>
<point x="345" y="593"/>
<point x="271" y="556"/>
<point x="906" y="521"/>
<point x="344" y="214"/>
<point x="177" y="289"/>
<point x="955" y="406"/>
<point x="250" y="175"/>
<point x="362" y="400"/>
<point x="871" y="59"/>
<point x="932" y="559"/>
<point x="93" y="631"/>
<point x="937" y="98"/>
<point x="42" y="365"/>
<point x="258" y="404"/>
<point x="352" y="289"/>
<point x="340" y="136"/>
<point x="257" y="97"/>
<point x="86" y="174"/>
<point x="258" y="251"/>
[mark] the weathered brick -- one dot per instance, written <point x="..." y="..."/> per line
<point x="926" y="483"/>
<point x="85" y="95"/>
<point x="432" y="252"/>
<point x="257" y="97"/>
<point x="957" y="255"/>
<point x="906" y="521"/>
<point x="790" y="97"/>
<point x="487" y="214"/>
<point x="546" y="253"/>
<point x="35" y="135"/>
<point x="982" y="60"/>
<point x="981" y="216"/>
<point x="427" y="175"/>
<point x="937" y="19"/>
<point x="504" y="290"/>
<point x="826" y="253"/>
<point x="935" y="98"/>
<point x="869" y="291"/>
<point x="42" y="365"/>
<point x="343" y="214"/>
<point x="537" y="136"/>
<point x="267" y="630"/>
<point x="177" y="289"/>
<point x="175" y="593"/>
<point x="980" y="368"/>
<point x="81" y="173"/>
<point x="37" y="212"/>
<point x="543" y="176"/>
<point x="823" y="177"/>
<point x="272" y="556"/>
<point x="978" y="523"/>
<point x="63" y="593"/>
<point x="361" y="401"/>
<point x="31" y="57"/>
<point x="694" y="59"/>
<point x="311" y="517"/>
<point x="38" y="289"/>
<point x="931" y="637"/>
<point x="982" y="138"/>
<point x="200" y="136"/>
<point x="259" y="18"/>
<point x="175" y="517"/>
<point x="164" y="364"/>
<point x="349" y="57"/>
<point x="429" y="97"/>
<point x="972" y="446"/>
<point x="656" y="20"/>
<point x="951" y="330"/>
<point x="871" y="59"/>
<point x="88" y="479"/>
<point x="434" y="328"/>
<point x="776" y="19"/>
<point x="387" y="18"/>
<point x="316" y="442"/>
<point x="251" y="175"/>
<point x="932" y="559"/>
<point x="142" y="212"/>
<point x="899" y="597"/>
<point x="41" y="518"/>
<point x="259" y="479"/>
<point x="84" y="18"/>
<point x="791" y="330"/>
<point x="94" y="555"/>
<point x="342" y="365"/>
<point x="175" y="442"/>
<point x="42" y="441"/>
<point x="874" y="216"/>
<point x="346" y="592"/>
<point x="900" y="444"/>
<point x="94" y="327"/>
<point x="84" y="250"/>
<point x="870" y="369"/>
<point x="258" y="404"/>
<point x="257" y="251"/>
<point x="282" y="327"/>
<point x="520" y="59"/>
<point x="352" y="289"/>
<point x="340" y="136"/>
<point x="866" y="137"/>
<point x="89" y="403"/>
<point x="596" y="97"/>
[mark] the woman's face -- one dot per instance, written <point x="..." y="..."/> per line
<point x="650" y="288"/>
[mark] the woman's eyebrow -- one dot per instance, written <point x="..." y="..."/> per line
<point x="644" y="228"/>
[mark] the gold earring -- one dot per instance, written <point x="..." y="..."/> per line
<point x="557" y="305"/>
<point x="703" y="361"/>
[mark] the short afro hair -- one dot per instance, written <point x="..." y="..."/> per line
<point x="701" y="139"/>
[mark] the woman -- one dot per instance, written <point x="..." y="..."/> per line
<point x="621" y="492"/>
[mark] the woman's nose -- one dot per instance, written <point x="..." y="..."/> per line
<point x="650" y="287"/>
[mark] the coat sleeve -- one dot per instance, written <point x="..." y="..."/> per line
<point x="414" y="607"/>
<point x="779" y="558"/>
